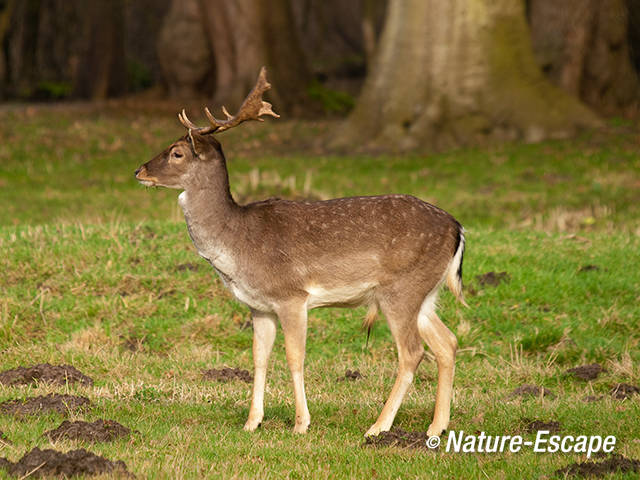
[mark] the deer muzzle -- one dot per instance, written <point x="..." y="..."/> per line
<point x="143" y="177"/>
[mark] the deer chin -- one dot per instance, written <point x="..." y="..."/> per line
<point x="153" y="182"/>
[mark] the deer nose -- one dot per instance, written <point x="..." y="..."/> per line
<point x="138" y="171"/>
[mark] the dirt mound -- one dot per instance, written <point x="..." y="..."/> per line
<point x="44" y="404"/>
<point x="592" y="398"/>
<point x="588" y="268"/>
<point x="398" y="438"/>
<point x="613" y="464"/>
<point x="45" y="463"/>
<point x="226" y="374"/>
<point x="624" y="390"/>
<point x="533" y="426"/>
<point x="493" y="279"/>
<point x="192" y="267"/>
<point x="351" y="375"/>
<point x="527" y="390"/>
<point x="132" y="343"/>
<point x="98" y="431"/>
<point x="586" y="372"/>
<point x="43" y="372"/>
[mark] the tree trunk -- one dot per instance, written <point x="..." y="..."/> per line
<point x="234" y="33"/>
<point x="184" y="53"/>
<point x="5" y="18"/>
<point x="102" y="68"/>
<point x="371" y="12"/>
<point x="21" y="48"/>
<point x="247" y="34"/>
<point x="583" y="47"/>
<point x="457" y="73"/>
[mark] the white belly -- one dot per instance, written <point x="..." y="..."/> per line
<point x="346" y="295"/>
<point x="250" y="297"/>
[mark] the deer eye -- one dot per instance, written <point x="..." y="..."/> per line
<point x="177" y="154"/>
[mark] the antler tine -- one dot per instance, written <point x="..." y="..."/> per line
<point x="251" y="109"/>
<point x="227" y="114"/>
<point x="184" y="120"/>
<point x="217" y="124"/>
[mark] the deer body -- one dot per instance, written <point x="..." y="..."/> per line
<point x="283" y="258"/>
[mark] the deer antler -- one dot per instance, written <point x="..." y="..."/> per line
<point x="251" y="109"/>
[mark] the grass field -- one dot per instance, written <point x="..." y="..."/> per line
<point x="98" y="272"/>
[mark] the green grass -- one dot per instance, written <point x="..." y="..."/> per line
<point x="92" y="262"/>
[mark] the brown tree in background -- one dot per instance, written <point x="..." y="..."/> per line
<point x="38" y="46"/>
<point x="232" y="40"/>
<point x="184" y="52"/>
<point x="583" y="46"/>
<point x="53" y="49"/>
<point x="451" y="73"/>
<point x="339" y="39"/>
<point x="102" y="67"/>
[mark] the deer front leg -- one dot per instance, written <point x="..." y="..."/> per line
<point x="264" y="333"/>
<point x="294" y="325"/>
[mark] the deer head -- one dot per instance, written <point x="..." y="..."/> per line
<point x="180" y="163"/>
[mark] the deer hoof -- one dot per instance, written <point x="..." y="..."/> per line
<point x="301" y="427"/>
<point x="252" y="425"/>
<point x="374" y="431"/>
<point x="435" y="430"/>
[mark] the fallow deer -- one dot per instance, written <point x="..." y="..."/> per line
<point x="282" y="258"/>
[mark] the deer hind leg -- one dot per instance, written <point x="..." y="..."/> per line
<point x="264" y="333"/>
<point x="293" y="319"/>
<point x="442" y="342"/>
<point x="404" y="329"/>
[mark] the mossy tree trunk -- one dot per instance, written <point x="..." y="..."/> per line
<point x="457" y="72"/>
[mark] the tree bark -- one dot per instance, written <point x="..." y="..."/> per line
<point x="247" y="34"/>
<point x="234" y="33"/>
<point x="371" y="11"/>
<point x="102" y="68"/>
<point x="21" y="48"/>
<point x="583" y="47"/>
<point x="184" y="52"/>
<point x="456" y="73"/>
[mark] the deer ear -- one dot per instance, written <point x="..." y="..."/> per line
<point x="201" y="145"/>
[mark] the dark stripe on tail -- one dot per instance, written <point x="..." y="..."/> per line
<point x="460" y="232"/>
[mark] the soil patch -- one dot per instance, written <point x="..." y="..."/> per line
<point x="493" y="279"/>
<point x="98" y="431"/>
<point x="533" y="426"/>
<point x="44" y="404"/>
<point x="192" y="267"/>
<point x="592" y="398"/>
<point x="398" y="438"/>
<point x="350" y="375"/>
<point x="589" y="268"/>
<point x="60" y="374"/>
<point x="132" y="343"/>
<point x="586" y="372"/>
<point x="613" y="464"/>
<point x="624" y="390"/>
<point x="527" y="390"/>
<point x="45" y="463"/>
<point x="226" y="374"/>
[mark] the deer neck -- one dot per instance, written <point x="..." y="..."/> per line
<point x="211" y="213"/>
